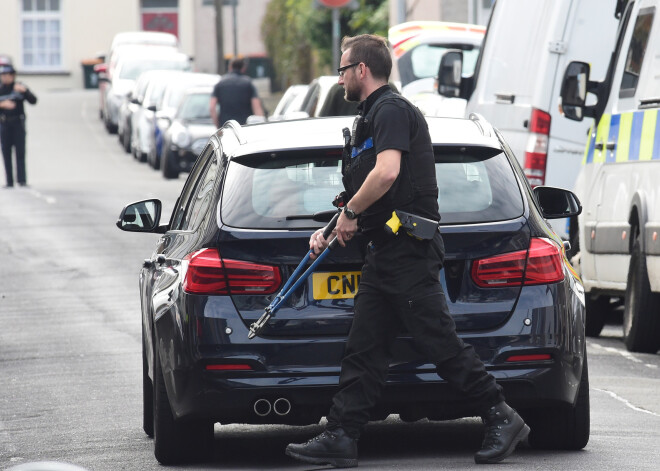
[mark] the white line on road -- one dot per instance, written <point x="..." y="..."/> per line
<point x="46" y="198"/>
<point x="626" y="402"/>
<point x="625" y="354"/>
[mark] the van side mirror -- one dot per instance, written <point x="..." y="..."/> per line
<point x="574" y="89"/>
<point x="557" y="203"/>
<point x="450" y="73"/>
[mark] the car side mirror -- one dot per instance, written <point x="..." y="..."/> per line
<point x="450" y="73"/>
<point x="557" y="203"/>
<point x="152" y="108"/>
<point x="143" y="216"/>
<point x="574" y="90"/>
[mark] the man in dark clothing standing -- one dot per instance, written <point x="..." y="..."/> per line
<point x="12" y="123"/>
<point x="391" y="166"/>
<point x="236" y="95"/>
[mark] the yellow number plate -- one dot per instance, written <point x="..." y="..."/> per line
<point x="335" y="285"/>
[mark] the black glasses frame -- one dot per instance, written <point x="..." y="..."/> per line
<point x="341" y="70"/>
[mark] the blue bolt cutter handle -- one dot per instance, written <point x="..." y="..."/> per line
<point x="294" y="282"/>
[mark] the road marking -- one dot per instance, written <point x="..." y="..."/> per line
<point x="626" y="402"/>
<point x="625" y="354"/>
<point x="46" y="198"/>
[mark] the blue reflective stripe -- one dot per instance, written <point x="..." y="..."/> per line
<point x="592" y="145"/>
<point x="656" y="140"/>
<point x="613" y="136"/>
<point x="368" y="144"/>
<point x="636" y="135"/>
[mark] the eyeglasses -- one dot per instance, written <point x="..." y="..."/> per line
<point x="342" y="70"/>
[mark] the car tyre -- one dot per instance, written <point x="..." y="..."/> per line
<point x="169" y="171"/>
<point x="126" y="141"/>
<point x="641" y="319"/>
<point x="147" y="394"/>
<point x="597" y="309"/>
<point x="563" y="427"/>
<point x="177" y="441"/>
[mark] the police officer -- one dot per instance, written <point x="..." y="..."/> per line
<point x="12" y="123"/>
<point x="392" y="167"/>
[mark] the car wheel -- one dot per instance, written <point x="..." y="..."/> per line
<point x="147" y="394"/>
<point x="597" y="309"/>
<point x="641" y="319"/>
<point x="562" y="427"/>
<point x="177" y="441"/>
<point x="111" y="128"/>
<point x="169" y="171"/>
<point x="127" y="140"/>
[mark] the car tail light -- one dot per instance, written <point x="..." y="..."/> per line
<point x="541" y="264"/>
<point x="229" y="367"/>
<point x="532" y="357"/>
<point x="209" y="274"/>
<point x="536" y="152"/>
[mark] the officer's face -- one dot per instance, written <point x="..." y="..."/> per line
<point x="348" y="78"/>
<point x="6" y="79"/>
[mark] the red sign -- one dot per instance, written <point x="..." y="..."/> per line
<point x="167" y="22"/>
<point x="334" y="3"/>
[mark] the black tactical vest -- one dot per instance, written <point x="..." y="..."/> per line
<point x="415" y="190"/>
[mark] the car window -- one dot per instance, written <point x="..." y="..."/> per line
<point x="131" y="69"/>
<point x="262" y="192"/>
<point x="636" y="52"/>
<point x="202" y="199"/>
<point x="195" y="106"/>
<point x="182" y="216"/>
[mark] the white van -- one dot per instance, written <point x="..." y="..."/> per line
<point x="619" y="184"/>
<point x="516" y="82"/>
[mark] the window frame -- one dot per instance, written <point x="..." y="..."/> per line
<point x="47" y="15"/>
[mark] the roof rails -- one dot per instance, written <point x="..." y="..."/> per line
<point x="238" y="131"/>
<point x="484" y="126"/>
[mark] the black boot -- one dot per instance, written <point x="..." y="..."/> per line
<point x="332" y="447"/>
<point x="504" y="430"/>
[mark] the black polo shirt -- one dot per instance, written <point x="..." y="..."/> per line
<point x="234" y="93"/>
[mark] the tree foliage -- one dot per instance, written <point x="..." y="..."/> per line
<point x="298" y="35"/>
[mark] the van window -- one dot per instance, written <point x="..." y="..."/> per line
<point x="425" y="59"/>
<point x="636" y="51"/>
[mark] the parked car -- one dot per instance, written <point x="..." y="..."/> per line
<point x="168" y="104"/>
<point x="129" y="105"/>
<point x="242" y="224"/>
<point x="191" y="128"/>
<point x="290" y="103"/>
<point x="128" y="69"/>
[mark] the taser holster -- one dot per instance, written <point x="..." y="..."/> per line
<point x="413" y="225"/>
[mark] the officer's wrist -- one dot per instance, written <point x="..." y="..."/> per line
<point x="349" y="213"/>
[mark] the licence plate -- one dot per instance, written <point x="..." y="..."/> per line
<point x="335" y="285"/>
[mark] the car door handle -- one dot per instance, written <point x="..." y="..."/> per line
<point x="609" y="146"/>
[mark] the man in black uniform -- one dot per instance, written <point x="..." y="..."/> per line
<point x="392" y="167"/>
<point x="12" y="123"/>
<point x="236" y="95"/>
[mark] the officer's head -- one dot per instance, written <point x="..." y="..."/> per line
<point x="371" y="50"/>
<point x="7" y="73"/>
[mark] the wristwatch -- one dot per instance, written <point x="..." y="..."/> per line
<point x="350" y="214"/>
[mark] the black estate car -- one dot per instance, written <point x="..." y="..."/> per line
<point x="241" y="226"/>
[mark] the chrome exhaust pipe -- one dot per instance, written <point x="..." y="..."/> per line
<point x="262" y="407"/>
<point x="282" y="406"/>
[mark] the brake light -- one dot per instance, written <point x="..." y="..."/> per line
<point x="208" y="274"/>
<point x="522" y="358"/>
<point x="541" y="264"/>
<point x="229" y="367"/>
<point x="536" y="151"/>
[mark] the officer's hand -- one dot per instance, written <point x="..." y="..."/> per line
<point x="317" y="243"/>
<point x="7" y="104"/>
<point x="346" y="229"/>
<point x="20" y="88"/>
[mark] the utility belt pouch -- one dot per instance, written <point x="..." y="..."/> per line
<point x="360" y="130"/>
<point x="413" y="225"/>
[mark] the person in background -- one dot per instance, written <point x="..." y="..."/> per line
<point x="236" y="95"/>
<point x="12" y="123"/>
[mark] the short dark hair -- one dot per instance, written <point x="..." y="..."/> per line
<point x="237" y="64"/>
<point x="373" y="51"/>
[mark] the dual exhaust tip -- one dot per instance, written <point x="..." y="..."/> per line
<point x="263" y="407"/>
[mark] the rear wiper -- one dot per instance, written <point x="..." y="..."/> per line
<point x="321" y="216"/>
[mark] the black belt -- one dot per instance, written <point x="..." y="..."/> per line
<point x="9" y="119"/>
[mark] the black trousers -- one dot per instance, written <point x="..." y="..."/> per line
<point x="400" y="286"/>
<point x="12" y="134"/>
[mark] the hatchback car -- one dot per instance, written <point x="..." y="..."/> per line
<point x="241" y="226"/>
<point x="188" y="133"/>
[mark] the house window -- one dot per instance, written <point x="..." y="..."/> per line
<point x="41" y="35"/>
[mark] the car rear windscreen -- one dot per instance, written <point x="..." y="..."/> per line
<point x="284" y="190"/>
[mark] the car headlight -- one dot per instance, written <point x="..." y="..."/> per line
<point x="181" y="137"/>
<point x="163" y="123"/>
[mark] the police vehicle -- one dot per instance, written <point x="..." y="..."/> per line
<point x="241" y="226"/>
<point x="618" y="231"/>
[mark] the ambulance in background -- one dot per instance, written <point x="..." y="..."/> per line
<point x="619" y="184"/>
<point x="518" y="74"/>
<point x="417" y="47"/>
